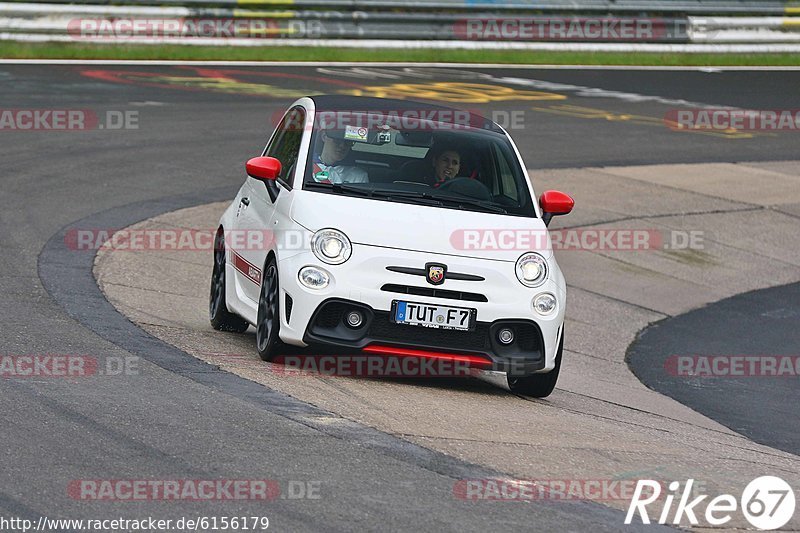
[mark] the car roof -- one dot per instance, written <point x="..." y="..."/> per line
<point x="335" y="102"/>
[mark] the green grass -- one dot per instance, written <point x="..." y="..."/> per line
<point x="14" y="50"/>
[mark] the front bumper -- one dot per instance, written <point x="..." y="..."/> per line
<point x="365" y="282"/>
<point x="524" y="356"/>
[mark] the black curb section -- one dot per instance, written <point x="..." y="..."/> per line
<point x="763" y="322"/>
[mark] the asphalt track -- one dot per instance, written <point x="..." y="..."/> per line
<point x="762" y="322"/>
<point x="175" y="419"/>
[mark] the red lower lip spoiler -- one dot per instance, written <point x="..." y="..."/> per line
<point x="473" y="360"/>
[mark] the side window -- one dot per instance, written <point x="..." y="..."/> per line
<point x="506" y="183"/>
<point x="285" y="147"/>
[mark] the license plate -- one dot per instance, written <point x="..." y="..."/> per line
<point x="433" y="316"/>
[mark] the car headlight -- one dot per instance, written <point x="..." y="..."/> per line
<point x="331" y="246"/>
<point x="531" y="269"/>
<point x="545" y="303"/>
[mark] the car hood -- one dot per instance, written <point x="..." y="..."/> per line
<point x="422" y="228"/>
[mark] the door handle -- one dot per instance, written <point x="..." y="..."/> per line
<point x="245" y="201"/>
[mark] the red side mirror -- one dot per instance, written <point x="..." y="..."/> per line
<point x="263" y="168"/>
<point x="556" y="203"/>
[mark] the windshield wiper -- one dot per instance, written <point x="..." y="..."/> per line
<point x="404" y="196"/>
<point x="338" y="187"/>
<point x="414" y="200"/>
<point x="437" y="199"/>
<point x="424" y="198"/>
<point x="462" y="202"/>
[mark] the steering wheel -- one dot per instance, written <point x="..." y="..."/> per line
<point x="466" y="187"/>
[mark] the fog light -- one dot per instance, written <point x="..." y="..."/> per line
<point x="313" y="277"/>
<point x="354" y="319"/>
<point x="545" y="303"/>
<point x="505" y="336"/>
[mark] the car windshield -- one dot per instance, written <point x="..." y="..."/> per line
<point x="417" y="161"/>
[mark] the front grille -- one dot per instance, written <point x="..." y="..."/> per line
<point x="434" y="293"/>
<point x="382" y="329"/>
<point x="528" y="337"/>
<point x="331" y="314"/>
<point x="422" y="272"/>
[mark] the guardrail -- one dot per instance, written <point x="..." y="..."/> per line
<point x="528" y="7"/>
<point x="464" y="26"/>
<point x="744" y="29"/>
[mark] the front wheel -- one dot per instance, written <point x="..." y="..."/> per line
<point x="218" y="313"/>
<point x="538" y="385"/>
<point x="269" y="318"/>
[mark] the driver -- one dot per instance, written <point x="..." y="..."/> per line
<point x="446" y="162"/>
<point x="326" y="167"/>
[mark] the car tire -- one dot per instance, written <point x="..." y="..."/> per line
<point x="268" y="342"/>
<point x="218" y="313"/>
<point x="538" y="385"/>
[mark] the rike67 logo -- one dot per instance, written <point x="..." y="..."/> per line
<point x="767" y="502"/>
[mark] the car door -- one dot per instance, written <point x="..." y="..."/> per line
<point x="256" y="221"/>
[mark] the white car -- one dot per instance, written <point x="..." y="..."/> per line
<point x="394" y="227"/>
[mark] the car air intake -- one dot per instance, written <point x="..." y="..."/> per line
<point x="434" y="293"/>
<point x="288" y="307"/>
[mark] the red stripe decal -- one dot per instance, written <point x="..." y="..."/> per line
<point x="249" y="270"/>
<point x="427" y="354"/>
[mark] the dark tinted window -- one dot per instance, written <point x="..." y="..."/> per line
<point x="407" y="162"/>
<point x="285" y="146"/>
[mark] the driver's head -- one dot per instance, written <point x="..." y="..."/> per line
<point x="446" y="161"/>
<point x="334" y="147"/>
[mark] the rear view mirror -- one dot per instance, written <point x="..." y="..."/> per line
<point x="263" y="168"/>
<point x="422" y="139"/>
<point x="555" y="203"/>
